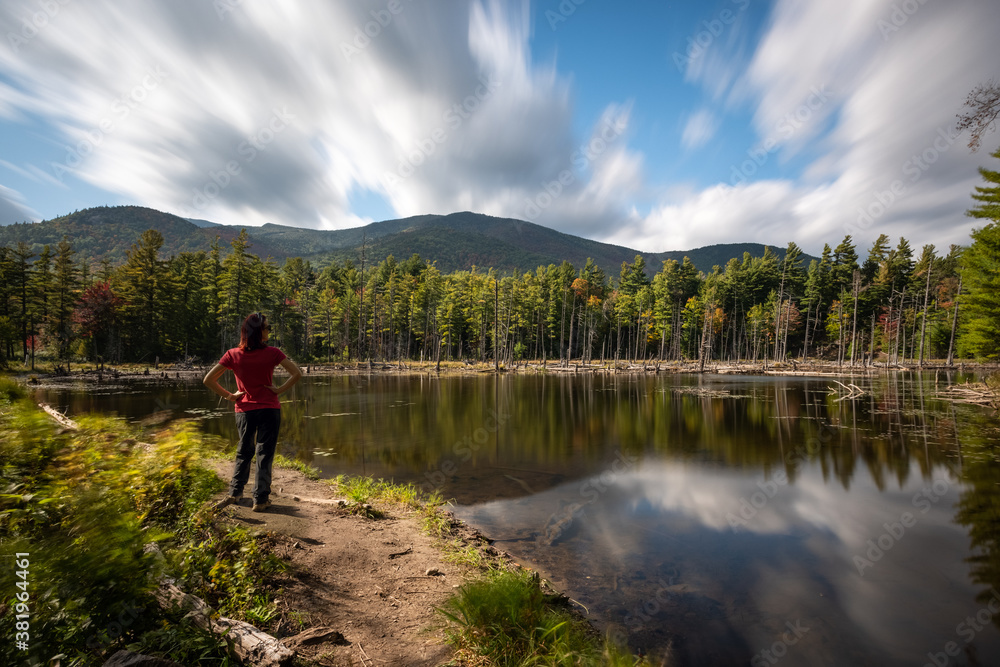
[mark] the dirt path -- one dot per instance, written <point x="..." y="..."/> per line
<point x="366" y="579"/>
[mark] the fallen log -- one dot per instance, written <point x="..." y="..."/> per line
<point x="59" y="417"/>
<point x="977" y="394"/>
<point x="251" y="645"/>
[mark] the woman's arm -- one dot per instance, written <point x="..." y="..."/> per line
<point x="212" y="382"/>
<point x="294" y="375"/>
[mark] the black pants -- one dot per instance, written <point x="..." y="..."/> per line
<point x="258" y="431"/>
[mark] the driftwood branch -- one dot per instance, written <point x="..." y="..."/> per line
<point x="977" y="394"/>
<point x="59" y="417"/>
<point x="853" y="391"/>
<point x="252" y="646"/>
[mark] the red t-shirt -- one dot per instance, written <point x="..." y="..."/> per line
<point x="254" y="370"/>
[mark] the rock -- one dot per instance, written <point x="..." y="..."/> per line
<point x="314" y="636"/>
<point x="128" y="659"/>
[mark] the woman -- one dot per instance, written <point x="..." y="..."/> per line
<point x="258" y="412"/>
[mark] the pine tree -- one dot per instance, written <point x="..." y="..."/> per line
<point x="21" y="272"/>
<point x="234" y="284"/>
<point x="65" y="292"/>
<point x="981" y="274"/>
<point x="147" y="288"/>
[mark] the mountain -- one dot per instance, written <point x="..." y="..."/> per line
<point x="202" y="223"/>
<point x="455" y="241"/>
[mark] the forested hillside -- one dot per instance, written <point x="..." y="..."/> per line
<point x="453" y="242"/>
<point x="888" y="302"/>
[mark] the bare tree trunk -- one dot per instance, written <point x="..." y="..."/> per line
<point x="899" y="326"/>
<point x="923" y="319"/>
<point x="854" y="324"/>
<point x="706" y="337"/>
<point x="562" y="324"/>
<point x="777" y="314"/>
<point x="361" y="301"/>
<point x="496" y="326"/>
<point x="871" y="352"/>
<point x="788" y="317"/>
<point x="954" y="324"/>
<point x="840" y="332"/>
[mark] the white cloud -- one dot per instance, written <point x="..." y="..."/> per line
<point x="272" y="112"/>
<point x="700" y="128"/>
<point x="12" y="207"/>
<point x="870" y="106"/>
<point x="282" y="111"/>
<point x="757" y="212"/>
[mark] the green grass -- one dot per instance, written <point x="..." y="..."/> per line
<point x="508" y="619"/>
<point x="363" y="490"/>
<point x="294" y="464"/>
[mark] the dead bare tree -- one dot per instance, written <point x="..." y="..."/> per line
<point x="983" y="108"/>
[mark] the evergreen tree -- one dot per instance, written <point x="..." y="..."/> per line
<point x="845" y="263"/>
<point x="147" y="288"/>
<point x="21" y="272"/>
<point x="981" y="274"/>
<point x="41" y="296"/>
<point x="234" y="286"/>
<point x="65" y="288"/>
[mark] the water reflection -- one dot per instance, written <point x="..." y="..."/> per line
<point x="720" y="516"/>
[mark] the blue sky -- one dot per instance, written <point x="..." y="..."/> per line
<point x="661" y="126"/>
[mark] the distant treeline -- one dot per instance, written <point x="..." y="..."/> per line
<point x="894" y="305"/>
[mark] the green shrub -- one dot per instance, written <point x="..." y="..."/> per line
<point x="84" y="504"/>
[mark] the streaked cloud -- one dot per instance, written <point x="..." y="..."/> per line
<point x="246" y="113"/>
<point x="700" y="127"/>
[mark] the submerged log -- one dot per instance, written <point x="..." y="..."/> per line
<point x="560" y="522"/>
<point x="977" y="394"/>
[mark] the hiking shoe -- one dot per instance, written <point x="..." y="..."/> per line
<point x="261" y="506"/>
<point x="227" y="501"/>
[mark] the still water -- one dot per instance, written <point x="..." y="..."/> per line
<point x="732" y="519"/>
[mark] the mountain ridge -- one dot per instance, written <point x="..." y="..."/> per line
<point x="453" y="241"/>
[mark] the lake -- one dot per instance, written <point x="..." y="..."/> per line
<point x="733" y="519"/>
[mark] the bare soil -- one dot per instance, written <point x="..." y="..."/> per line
<point x="373" y="581"/>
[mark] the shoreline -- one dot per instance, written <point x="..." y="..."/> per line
<point x="317" y="529"/>
<point x="130" y="373"/>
